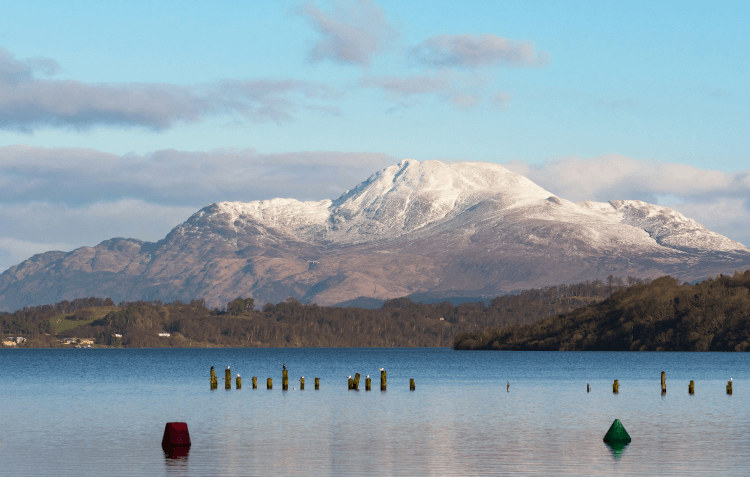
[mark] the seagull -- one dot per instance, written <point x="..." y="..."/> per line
<point x="349" y="377"/>
<point x="368" y="375"/>
<point x="284" y="367"/>
<point x="730" y="379"/>
<point x="382" y="369"/>
<point x="212" y="368"/>
<point x="302" y="377"/>
<point x="227" y="367"/>
<point x="238" y="375"/>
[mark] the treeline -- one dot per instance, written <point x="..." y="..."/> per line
<point x="32" y="321"/>
<point x="713" y="315"/>
<point x="398" y="323"/>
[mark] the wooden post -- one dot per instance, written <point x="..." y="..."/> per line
<point x="285" y="380"/>
<point x="214" y="379"/>
<point x="269" y="383"/>
<point x="588" y="388"/>
<point x="238" y="382"/>
<point x="382" y="380"/>
<point x="317" y="383"/>
<point x="663" y="382"/>
<point x="302" y="383"/>
<point x="368" y="384"/>
<point x="616" y="387"/>
<point x="255" y="382"/>
<point x="227" y="379"/>
<point x="412" y="387"/>
<point x="691" y="388"/>
<point x="356" y="382"/>
<point x="351" y="383"/>
<point x="729" y="387"/>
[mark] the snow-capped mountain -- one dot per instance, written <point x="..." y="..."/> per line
<point x="463" y="229"/>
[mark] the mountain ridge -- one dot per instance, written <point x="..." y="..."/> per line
<point x="467" y="229"/>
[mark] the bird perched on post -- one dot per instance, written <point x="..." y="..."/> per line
<point x="238" y="375"/>
<point x="227" y="367"/>
<point x="283" y="367"/>
<point x="367" y="376"/>
<point x="382" y="369"/>
<point x="212" y="368"/>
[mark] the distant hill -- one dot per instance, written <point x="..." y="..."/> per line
<point x="440" y="230"/>
<point x="397" y="322"/>
<point x="713" y="315"/>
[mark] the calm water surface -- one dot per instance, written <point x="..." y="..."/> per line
<point x="103" y="412"/>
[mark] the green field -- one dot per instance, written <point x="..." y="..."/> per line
<point x="63" y="324"/>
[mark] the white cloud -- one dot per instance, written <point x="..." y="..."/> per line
<point x="352" y="34"/>
<point x="28" y="103"/>
<point x="67" y="198"/>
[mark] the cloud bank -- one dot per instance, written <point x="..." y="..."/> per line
<point x="28" y="103"/>
<point x="75" y="197"/>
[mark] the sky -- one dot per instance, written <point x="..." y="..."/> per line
<point x="121" y="119"/>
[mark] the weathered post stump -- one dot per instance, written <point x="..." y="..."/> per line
<point x="302" y="383"/>
<point x="269" y="383"/>
<point x="356" y="382"/>
<point x="368" y="384"/>
<point x="238" y="382"/>
<point x="317" y="383"/>
<point x="255" y="382"/>
<point x="729" y="387"/>
<point x="663" y="383"/>
<point x="214" y="379"/>
<point x="383" y="382"/>
<point x="691" y="387"/>
<point x="588" y="388"/>
<point x="616" y="386"/>
<point x="412" y="386"/>
<point x="285" y="380"/>
<point x="227" y="379"/>
<point x="350" y="383"/>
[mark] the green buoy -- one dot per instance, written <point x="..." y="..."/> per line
<point x="617" y="434"/>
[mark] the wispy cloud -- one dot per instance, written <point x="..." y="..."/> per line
<point x="352" y="33"/>
<point x="28" y="103"/>
<point x="472" y="51"/>
<point x="462" y="91"/>
<point x="718" y="200"/>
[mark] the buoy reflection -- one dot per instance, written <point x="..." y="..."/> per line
<point x="616" y="448"/>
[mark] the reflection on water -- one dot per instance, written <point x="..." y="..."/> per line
<point x="107" y="410"/>
<point x="616" y="449"/>
<point x="176" y="455"/>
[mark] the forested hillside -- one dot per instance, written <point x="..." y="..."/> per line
<point x="399" y="322"/>
<point x="713" y="315"/>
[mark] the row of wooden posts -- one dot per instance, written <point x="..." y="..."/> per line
<point x="353" y="382"/>
<point x="691" y="386"/>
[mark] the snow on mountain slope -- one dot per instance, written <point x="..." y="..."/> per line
<point x="394" y="201"/>
<point x="466" y="229"/>
<point x="421" y="197"/>
<point x="666" y="226"/>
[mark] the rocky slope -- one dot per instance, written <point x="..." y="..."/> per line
<point x="464" y="229"/>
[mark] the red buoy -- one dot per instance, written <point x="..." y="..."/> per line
<point x="176" y="435"/>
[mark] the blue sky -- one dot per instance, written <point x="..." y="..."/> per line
<point x="554" y="90"/>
